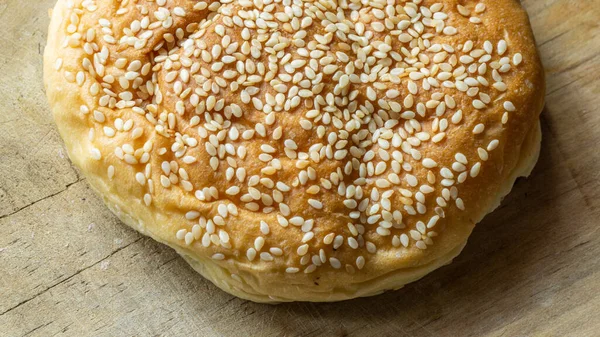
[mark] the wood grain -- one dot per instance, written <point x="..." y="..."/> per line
<point x="69" y="268"/>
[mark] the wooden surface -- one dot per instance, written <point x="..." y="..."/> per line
<point x="68" y="267"/>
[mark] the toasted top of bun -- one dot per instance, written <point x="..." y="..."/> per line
<point x="298" y="150"/>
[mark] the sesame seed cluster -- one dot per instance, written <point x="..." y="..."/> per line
<point x="309" y="132"/>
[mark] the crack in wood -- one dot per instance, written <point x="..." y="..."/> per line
<point x="70" y="277"/>
<point x="42" y="199"/>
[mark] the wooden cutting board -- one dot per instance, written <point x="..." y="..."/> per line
<point x="68" y="267"/>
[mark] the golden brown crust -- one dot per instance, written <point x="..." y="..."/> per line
<point x="136" y="131"/>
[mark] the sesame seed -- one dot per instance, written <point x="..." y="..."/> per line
<point x="352" y="243"/>
<point x="95" y="153"/>
<point x="265" y="256"/>
<point x="475" y="170"/>
<point x="517" y="59"/>
<point x="180" y="235"/>
<point x="218" y="256"/>
<point x="335" y="263"/>
<point x="302" y="250"/>
<point x="477" y="104"/>
<point x="315" y="203"/>
<point x="179" y="11"/>
<point x="509" y="106"/>
<point x="264" y="228"/>
<point x="251" y="254"/>
<point x="502" y="46"/>
<point x="479" y="128"/>
<point x="493" y="145"/>
<point x="429" y="163"/>
<point x="483" y="155"/>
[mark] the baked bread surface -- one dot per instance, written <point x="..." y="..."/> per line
<point x="299" y="150"/>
